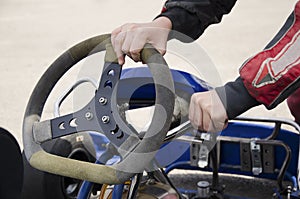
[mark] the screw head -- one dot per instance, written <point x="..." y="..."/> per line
<point x="105" y="119"/>
<point x="103" y="101"/>
<point x="89" y="115"/>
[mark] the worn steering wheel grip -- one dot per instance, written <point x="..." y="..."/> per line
<point x="117" y="173"/>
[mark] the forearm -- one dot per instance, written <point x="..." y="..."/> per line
<point x="270" y="76"/>
<point x="273" y="74"/>
<point x="183" y="22"/>
<point x="236" y="98"/>
<point x="192" y="17"/>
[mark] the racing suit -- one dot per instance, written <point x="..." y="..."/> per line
<point x="268" y="77"/>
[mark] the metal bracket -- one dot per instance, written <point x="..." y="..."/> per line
<point x="256" y="157"/>
<point x="199" y="151"/>
<point x="199" y="155"/>
<point x="194" y="153"/>
<point x="268" y="158"/>
<point x="245" y="156"/>
<point x="203" y="156"/>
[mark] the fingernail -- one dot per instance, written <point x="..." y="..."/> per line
<point x="121" y="62"/>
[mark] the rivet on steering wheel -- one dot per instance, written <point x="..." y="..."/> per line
<point x="105" y="119"/>
<point x="103" y="101"/>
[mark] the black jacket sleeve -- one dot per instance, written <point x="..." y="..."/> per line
<point x="236" y="98"/>
<point x="192" y="17"/>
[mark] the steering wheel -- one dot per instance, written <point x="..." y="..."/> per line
<point x="101" y="115"/>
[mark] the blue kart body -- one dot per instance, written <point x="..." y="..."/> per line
<point x="235" y="155"/>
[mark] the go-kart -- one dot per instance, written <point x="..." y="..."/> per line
<point x="251" y="158"/>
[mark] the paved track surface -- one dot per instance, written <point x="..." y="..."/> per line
<point x="33" y="33"/>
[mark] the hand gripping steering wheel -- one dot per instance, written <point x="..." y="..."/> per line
<point x="101" y="115"/>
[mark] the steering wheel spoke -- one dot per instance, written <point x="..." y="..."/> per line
<point x="110" y="122"/>
<point x="80" y="121"/>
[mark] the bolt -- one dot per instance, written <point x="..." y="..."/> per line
<point x="89" y="115"/>
<point x="103" y="100"/>
<point x="151" y="181"/>
<point x="105" y="119"/>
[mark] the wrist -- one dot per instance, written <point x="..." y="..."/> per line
<point x="235" y="98"/>
<point x="163" y="22"/>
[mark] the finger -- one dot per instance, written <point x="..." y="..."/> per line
<point x="119" y="39"/>
<point x="205" y="102"/>
<point x="114" y="34"/>
<point x="161" y="47"/>
<point x="225" y="124"/>
<point x="218" y="113"/>
<point x="127" y="43"/>
<point x="207" y="122"/>
<point x="198" y="115"/>
<point x="136" y="47"/>
<point x="218" y="125"/>
<point x="161" y="42"/>
<point x="195" y="113"/>
<point x="162" y="51"/>
<point x="191" y="111"/>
